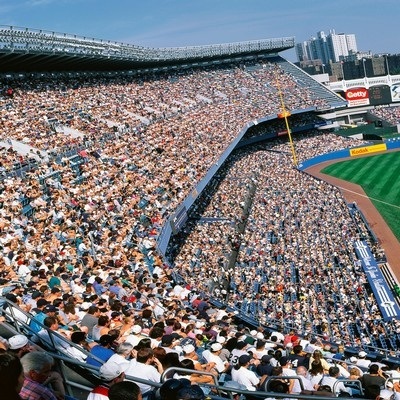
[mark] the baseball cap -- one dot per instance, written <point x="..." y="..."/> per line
<point x="362" y="354"/>
<point x="111" y="370"/>
<point x="85" y="305"/>
<point x="17" y="341"/>
<point x="171" y="387"/>
<point x="244" y="359"/>
<point x="136" y="329"/>
<point x="260" y="335"/>
<point x="216" y="346"/>
<point x="50" y="308"/>
<point x="189" y="348"/>
<point x="266" y="358"/>
<point x="284" y="360"/>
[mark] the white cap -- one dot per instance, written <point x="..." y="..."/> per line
<point x="216" y="346"/>
<point x="136" y="329"/>
<point x="362" y="354"/>
<point x="17" y="341"/>
<point x="253" y="332"/>
<point x="189" y="348"/>
<point x="221" y="339"/>
<point x="85" y="305"/>
<point x="260" y="335"/>
<point x="111" y="370"/>
<point x="353" y="359"/>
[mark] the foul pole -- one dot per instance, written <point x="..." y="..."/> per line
<point x="285" y="114"/>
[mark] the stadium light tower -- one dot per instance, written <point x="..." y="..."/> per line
<point x="365" y="73"/>
<point x="285" y="114"/>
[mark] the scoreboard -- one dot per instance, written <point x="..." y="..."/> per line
<point x="379" y="95"/>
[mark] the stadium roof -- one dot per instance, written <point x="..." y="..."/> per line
<point x="29" y="50"/>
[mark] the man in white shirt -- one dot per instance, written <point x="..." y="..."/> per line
<point x="146" y="367"/>
<point x="110" y="374"/>
<point x="242" y="375"/>
<point x="301" y="372"/>
<point x="212" y="355"/>
<point x="135" y="337"/>
<point x="336" y="385"/>
<point x="362" y="361"/>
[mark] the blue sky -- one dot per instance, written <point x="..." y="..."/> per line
<point x="169" y="23"/>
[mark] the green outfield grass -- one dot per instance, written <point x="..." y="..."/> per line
<point x="379" y="176"/>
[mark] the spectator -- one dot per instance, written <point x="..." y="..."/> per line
<point x="336" y="385"/>
<point x="11" y="376"/>
<point x="212" y="356"/>
<point x="124" y="390"/>
<point x="37" y="367"/>
<point x="111" y="373"/>
<point x="90" y="319"/>
<point x="373" y="381"/>
<point x="101" y="328"/>
<point x="170" y="388"/>
<point x="147" y="367"/>
<point x="306" y="384"/>
<point x="244" y="376"/>
<point x="103" y="351"/>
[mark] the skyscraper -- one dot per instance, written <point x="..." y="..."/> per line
<point x="327" y="48"/>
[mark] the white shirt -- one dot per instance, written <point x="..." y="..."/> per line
<point x="245" y="377"/>
<point x="211" y="357"/>
<point x="143" y="371"/>
<point x="339" y="386"/>
<point x="307" y="385"/>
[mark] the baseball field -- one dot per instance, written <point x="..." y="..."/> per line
<point x="379" y="176"/>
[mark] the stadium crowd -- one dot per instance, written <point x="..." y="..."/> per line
<point x="388" y="114"/>
<point x="78" y="233"/>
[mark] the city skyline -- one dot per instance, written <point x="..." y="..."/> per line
<point x="176" y="23"/>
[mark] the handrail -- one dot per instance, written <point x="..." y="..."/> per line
<point x="23" y="327"/>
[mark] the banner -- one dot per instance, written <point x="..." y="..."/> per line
<point x="357" y="97"/>
<point x="382" y="292"/>
<point x="368" y="149"/>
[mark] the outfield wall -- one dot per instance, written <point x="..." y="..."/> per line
<point x="353" y="152"/>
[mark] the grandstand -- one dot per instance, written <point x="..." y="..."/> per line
<point x="175" y="160"/>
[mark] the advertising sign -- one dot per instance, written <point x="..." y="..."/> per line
<point x="357" y="97"/>
<point x="358" y="151"/>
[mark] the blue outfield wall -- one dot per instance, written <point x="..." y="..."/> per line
<point x="324" y="157"/>
<point x="391" y="144"/>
